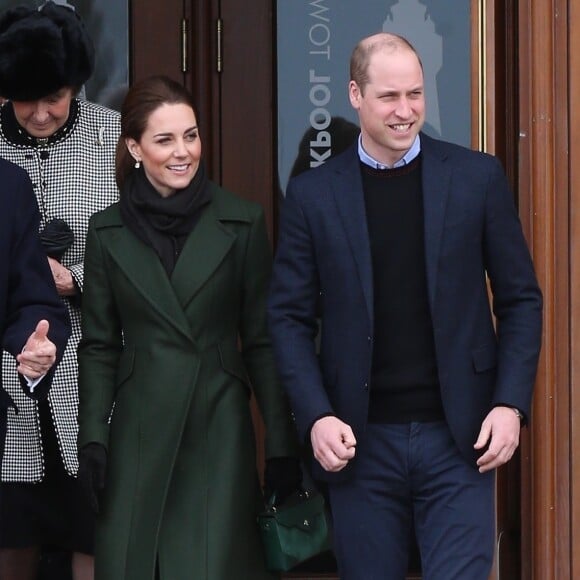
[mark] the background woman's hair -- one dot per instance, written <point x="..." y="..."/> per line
<point x="142" y="99"/>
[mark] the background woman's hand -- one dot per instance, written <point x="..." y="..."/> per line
<point x="62" y="278"/>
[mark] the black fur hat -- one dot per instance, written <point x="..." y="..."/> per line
<point x="42" y="51"/>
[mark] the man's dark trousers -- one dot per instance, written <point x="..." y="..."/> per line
<point x="405" y="475"/>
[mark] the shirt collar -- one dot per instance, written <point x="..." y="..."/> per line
<point x="406" y="159"/>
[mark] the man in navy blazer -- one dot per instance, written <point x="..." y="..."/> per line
<point x="34" y="321"/>
<point x="418" y="393"/>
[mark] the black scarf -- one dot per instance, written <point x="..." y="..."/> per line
<point x="163" y="223"/>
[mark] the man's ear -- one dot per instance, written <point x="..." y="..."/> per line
<point x="354" y="94"/>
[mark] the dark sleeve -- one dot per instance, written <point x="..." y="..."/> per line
<point x="517" y="299"/>
<point x="292" y="312"/>
<point x="100" y="348"/>
<point x="30" y="293"/>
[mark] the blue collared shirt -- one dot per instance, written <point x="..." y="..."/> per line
<point x="407" y="158"/>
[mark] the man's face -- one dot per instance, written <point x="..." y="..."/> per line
<point x="392" y="108"/>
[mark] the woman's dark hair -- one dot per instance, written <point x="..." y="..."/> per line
<point x="142" y="99"/>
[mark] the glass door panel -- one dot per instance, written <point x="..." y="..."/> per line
<point x="314" y="43"/>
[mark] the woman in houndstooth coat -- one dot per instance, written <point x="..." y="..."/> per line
<point x="67" y="147"/>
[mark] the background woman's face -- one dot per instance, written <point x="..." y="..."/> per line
<point x="170" y="147"/>
<point x="42" y="118"/>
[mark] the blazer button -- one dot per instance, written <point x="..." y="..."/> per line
<point x="366" y="387"/>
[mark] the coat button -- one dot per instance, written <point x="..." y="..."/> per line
<point x="366" y="387"/>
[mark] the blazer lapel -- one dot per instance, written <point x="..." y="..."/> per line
<point x="349" y="198"/>
<point x="203" y="252"/>
<point x="436" y="177"/>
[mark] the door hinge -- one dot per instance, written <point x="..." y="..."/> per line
<point x="219" y="32"/>
<point x="184" y="43"/>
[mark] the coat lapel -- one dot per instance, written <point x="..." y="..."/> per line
<point x="349" y="198"/>
<point x="144" y="270"/>
<point x="436" y="178"/>
<point x="203" y="252"/>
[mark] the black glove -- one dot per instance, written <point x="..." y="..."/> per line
<point x="56" y="238"/>
<point x="282" y="476"/>
<point x="92" y="469"/>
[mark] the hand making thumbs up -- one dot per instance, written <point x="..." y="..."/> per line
<point x="39" y="353"/>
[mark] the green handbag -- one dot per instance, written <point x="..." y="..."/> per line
<point x="294" y="531"/>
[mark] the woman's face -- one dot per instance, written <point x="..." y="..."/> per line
<point x="42" y="118"/>
<point x="170" y="148"/>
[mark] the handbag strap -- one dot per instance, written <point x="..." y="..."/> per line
<point x="271" y="503"/>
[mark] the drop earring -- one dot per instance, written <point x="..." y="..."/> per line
<point x="137" y="163"/>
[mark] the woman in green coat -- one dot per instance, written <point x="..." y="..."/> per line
<point x="174" y="342"/>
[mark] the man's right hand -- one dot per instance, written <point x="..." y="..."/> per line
<point x="333" y="443"/>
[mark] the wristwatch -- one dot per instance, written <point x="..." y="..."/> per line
<point x="519" y="414"/>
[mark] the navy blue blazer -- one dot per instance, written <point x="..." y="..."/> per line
<point x="27" y="290"/>
<point x="323" y="271"/>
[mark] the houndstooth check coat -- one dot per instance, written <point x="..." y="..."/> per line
<point x="73" y="177"/>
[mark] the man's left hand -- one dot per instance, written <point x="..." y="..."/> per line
<point x="501" y="429"/>
<point x="39" y="353"/>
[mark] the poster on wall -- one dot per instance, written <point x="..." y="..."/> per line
<point x="314" y="41"/>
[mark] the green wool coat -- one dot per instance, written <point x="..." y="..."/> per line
<point x="167" y="366"/>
